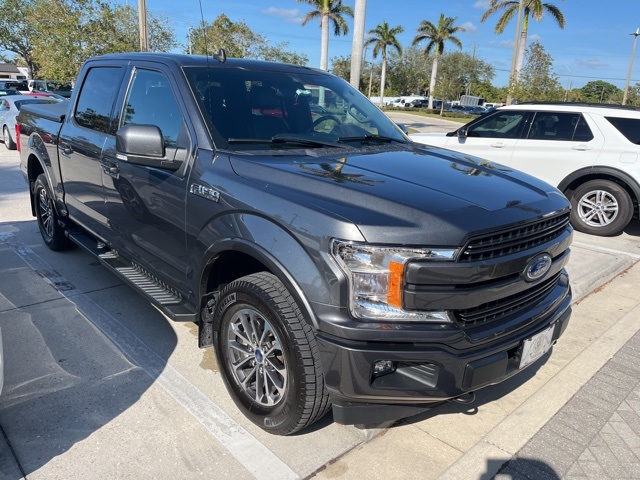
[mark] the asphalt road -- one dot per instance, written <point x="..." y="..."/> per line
<point x="99" y="385"/>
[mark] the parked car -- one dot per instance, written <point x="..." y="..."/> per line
<point x="20" y="85"/>
<point x="62" y="89"/>
<point x="9" y="91"/>
<point x="9" y="108"/>
<point x="591" y="152"/>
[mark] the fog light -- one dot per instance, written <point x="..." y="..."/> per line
<point x="383" y="367"/>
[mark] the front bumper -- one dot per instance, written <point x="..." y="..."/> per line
<point x="427" y="371"/>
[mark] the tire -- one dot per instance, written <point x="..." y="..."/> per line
<point x="47" y="217"/>
<point x="8" y="141"/>
<point x="268" y="355"/>
<point x="601" y="207"/>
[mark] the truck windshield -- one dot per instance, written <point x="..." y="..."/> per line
<point x="242" y="107"/>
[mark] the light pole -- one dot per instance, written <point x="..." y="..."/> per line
<point x="566" y="94"/>
<point x="142" y="25"/>
<point x="633" y="53"/>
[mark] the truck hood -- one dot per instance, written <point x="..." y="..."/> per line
<point x="404" y="194"/>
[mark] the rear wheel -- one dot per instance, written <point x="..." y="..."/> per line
<point x="8" y="141"/>
<point x="47" y="217"/>
<point x="601" y="207"/>
<point x="268" y="355"/>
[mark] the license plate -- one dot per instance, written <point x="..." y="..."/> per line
<point x="535" y="347"/>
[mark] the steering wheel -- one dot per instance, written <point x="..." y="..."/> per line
<point x="325" y="118"/>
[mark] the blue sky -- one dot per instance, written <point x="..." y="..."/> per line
<point x="595" y="43"/>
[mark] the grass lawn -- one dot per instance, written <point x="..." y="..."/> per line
<point x="459" y="119"/>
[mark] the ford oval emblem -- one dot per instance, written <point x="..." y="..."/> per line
<point x="537" y="267"/>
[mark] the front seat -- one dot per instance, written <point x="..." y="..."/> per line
<point x="266" y="107"/>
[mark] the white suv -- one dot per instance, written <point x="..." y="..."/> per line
<point x="591" y="152"/>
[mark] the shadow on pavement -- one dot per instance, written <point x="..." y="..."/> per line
<point x="65" y="377"/>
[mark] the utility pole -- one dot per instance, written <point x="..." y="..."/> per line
<point x="359" y="14"/>
<point x="142" y="25"/>
<point x="514" y="58"/>
<point x="633" y="54"/>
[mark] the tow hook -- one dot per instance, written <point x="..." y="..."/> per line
<point x="465" y="399"/>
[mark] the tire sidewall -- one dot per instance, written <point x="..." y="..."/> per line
<point x="233" y="298"/>
<point x="38" y="186"/>
<point x="624" y="214"/>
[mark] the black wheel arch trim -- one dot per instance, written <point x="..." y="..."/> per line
<point x="624" y="177"/>
<point x="275" y="266"/>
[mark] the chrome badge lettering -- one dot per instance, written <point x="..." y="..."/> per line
<point x="204" y="192"/>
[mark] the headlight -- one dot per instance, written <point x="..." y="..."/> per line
<point x="376" y="279"/>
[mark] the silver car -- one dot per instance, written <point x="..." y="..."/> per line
<point x="9" y="109"/>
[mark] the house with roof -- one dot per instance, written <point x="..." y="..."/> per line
<point x="8" y="71"/>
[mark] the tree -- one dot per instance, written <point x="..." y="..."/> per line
<point x="70" y="31"/>
<point x="537" y="80"/>
<point x="533" y="8"/>
<point x="460" y="73"/>
<point x="238" y="40"/>
<point x="17" y="31"/>
<point x="436" y="37"/>
<point x="599" y="91"/>
<point x="408" y="72"/>
<point x="383" y="37"/>
<point x="279" y="53"/>
<point x="328" y="11"/>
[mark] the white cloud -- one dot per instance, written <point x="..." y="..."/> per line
<point x="469" y="27"/>
<point x="288" y="15"/>
<point x="534" y="38"/>
<point x="481" y="4"/>
<point x="592" y="63"/>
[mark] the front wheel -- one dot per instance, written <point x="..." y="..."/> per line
<point x="8" y="141"/>
<point x="268" y="355"/>
<point x="47" y="217"/>
<point x="601" y="207"/>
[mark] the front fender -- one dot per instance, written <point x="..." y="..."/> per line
<point x="305" y="269"/>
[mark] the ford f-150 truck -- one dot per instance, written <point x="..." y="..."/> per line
<point x="330" y="261"/>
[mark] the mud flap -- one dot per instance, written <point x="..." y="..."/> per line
<point x="205" y="325"/>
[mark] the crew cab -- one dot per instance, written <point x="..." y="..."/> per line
<point x="331" y="262"/>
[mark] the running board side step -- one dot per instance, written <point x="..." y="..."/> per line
<point x="148" y="286"/>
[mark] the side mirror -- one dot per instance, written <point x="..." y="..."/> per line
<point x="462" y="132"/>
<point x="403" y="127"/>
<point x="144" y="145"/>
<point x="140" y="141"/>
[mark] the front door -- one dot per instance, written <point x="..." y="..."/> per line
<point x="146" y="205"/>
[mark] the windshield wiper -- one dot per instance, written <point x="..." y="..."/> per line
<point x="371" y="138"/>
<point x="285" y="139"/>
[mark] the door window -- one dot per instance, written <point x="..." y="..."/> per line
<point x="97" y="98"/>
<point x="505" y="124"/>
<point x="559" y="126"/>
<point x="150" y="101"/>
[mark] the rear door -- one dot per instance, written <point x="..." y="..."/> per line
<point x="82" y="139"/>
<point x="556" y="145"/>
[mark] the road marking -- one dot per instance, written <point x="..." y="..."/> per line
<point x="605" y="249"/>
<point x="261" y="462"/>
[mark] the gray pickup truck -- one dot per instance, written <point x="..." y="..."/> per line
<point x="331" y="262"/>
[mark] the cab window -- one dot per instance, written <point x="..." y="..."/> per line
<point x="150" y="101"/>
<point x="97" y="98"/>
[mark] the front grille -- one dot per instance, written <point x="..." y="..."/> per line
<point x="507" y="242"/>
<point x="497" y="310"/>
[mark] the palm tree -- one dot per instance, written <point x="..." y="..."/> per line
<point x="533" y="8"/>
<point x="436" y="36"/>
<point x="328" y="10"/>
<point x="382" y="37"/>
